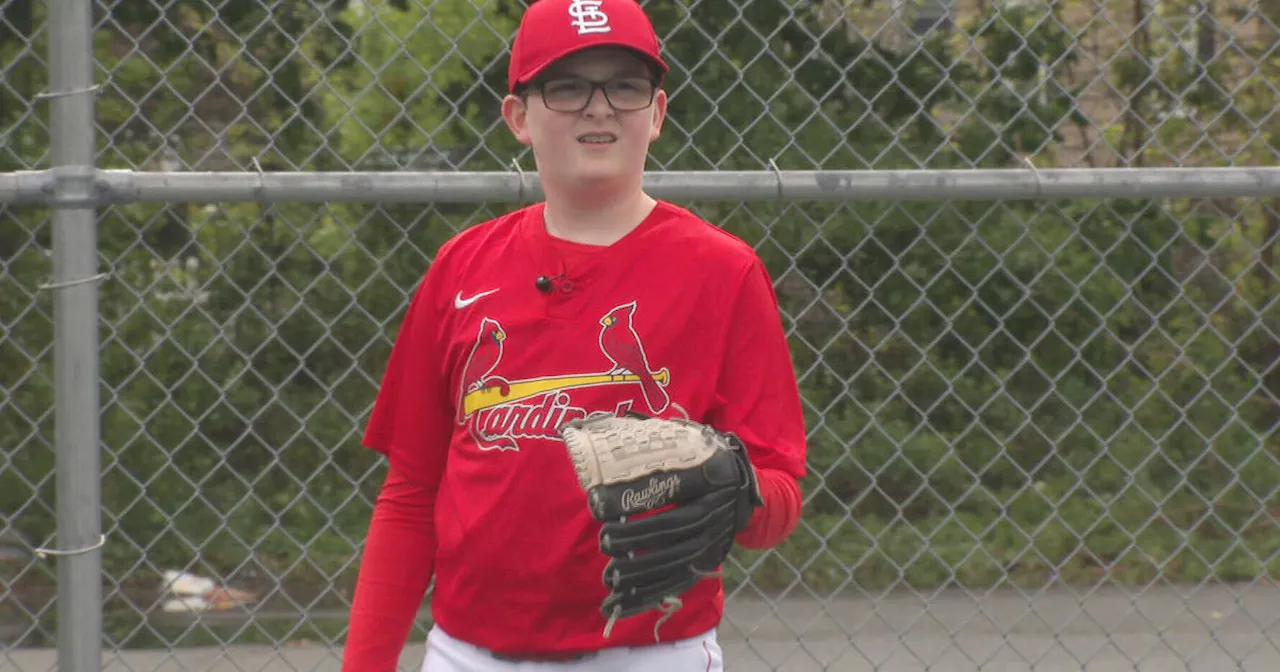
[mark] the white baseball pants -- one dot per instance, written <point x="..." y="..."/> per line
<point x="697" y="654"/>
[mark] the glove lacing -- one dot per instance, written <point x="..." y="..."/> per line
<point x="670" y="605"/>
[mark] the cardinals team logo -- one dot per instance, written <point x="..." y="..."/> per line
<point x="499" y="412"/>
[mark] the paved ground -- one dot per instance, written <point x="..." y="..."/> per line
<point x="1210" y="629"/>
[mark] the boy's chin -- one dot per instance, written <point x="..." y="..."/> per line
<point x="600" y="175"/>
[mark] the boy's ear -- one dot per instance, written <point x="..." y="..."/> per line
<point x="659" y="115"/>
<point x="515" y="113"/>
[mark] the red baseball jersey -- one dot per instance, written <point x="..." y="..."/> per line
<point x="677" y="319"/>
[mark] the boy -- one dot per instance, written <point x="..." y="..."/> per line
<point x="599" y="299"/>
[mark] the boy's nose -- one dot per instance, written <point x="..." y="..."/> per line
<point x="598" y="104"/>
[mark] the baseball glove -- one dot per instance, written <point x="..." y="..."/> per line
<point x="672" y="495"/>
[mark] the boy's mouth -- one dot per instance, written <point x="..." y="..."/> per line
<point x="597" y="138"/>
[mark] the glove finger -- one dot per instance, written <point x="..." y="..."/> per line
<point x="664" y="528"/>
<point x="704" y="553"/>
<point x="722" y="471"/>
<point x="634" y="602"/>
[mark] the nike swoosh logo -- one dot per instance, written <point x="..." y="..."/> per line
<point x="460" y="303"/>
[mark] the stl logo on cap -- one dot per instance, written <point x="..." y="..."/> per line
<point x="588" y="17"/>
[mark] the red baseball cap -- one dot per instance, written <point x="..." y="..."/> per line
<point x="553" y="29"/>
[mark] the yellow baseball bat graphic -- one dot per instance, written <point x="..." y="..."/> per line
<point x="487" y="397"/>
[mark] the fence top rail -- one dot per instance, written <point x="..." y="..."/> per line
<point x="127" y="186"/>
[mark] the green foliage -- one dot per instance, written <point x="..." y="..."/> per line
<point x="1013" y="391"/>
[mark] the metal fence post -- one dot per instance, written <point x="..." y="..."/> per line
<point x="75" y="294"/>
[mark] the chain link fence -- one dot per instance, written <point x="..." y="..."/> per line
<point x="1025" y="254"/>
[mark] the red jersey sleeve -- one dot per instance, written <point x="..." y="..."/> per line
<point x="757" y="396"/>
<point x="411" y="418"/>
<point x="758" y="399"/>
<point x="410" y="424"/>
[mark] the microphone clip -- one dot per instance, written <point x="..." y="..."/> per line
<point x="546" y="283"/>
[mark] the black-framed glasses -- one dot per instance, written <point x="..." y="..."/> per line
<point x="573" y="94"/>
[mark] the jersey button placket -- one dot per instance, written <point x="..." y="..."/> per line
<point x="564" y="299"/>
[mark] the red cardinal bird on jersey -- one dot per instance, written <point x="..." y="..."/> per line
<point x="621" y="343"/>
<point x="483" y="359"/>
